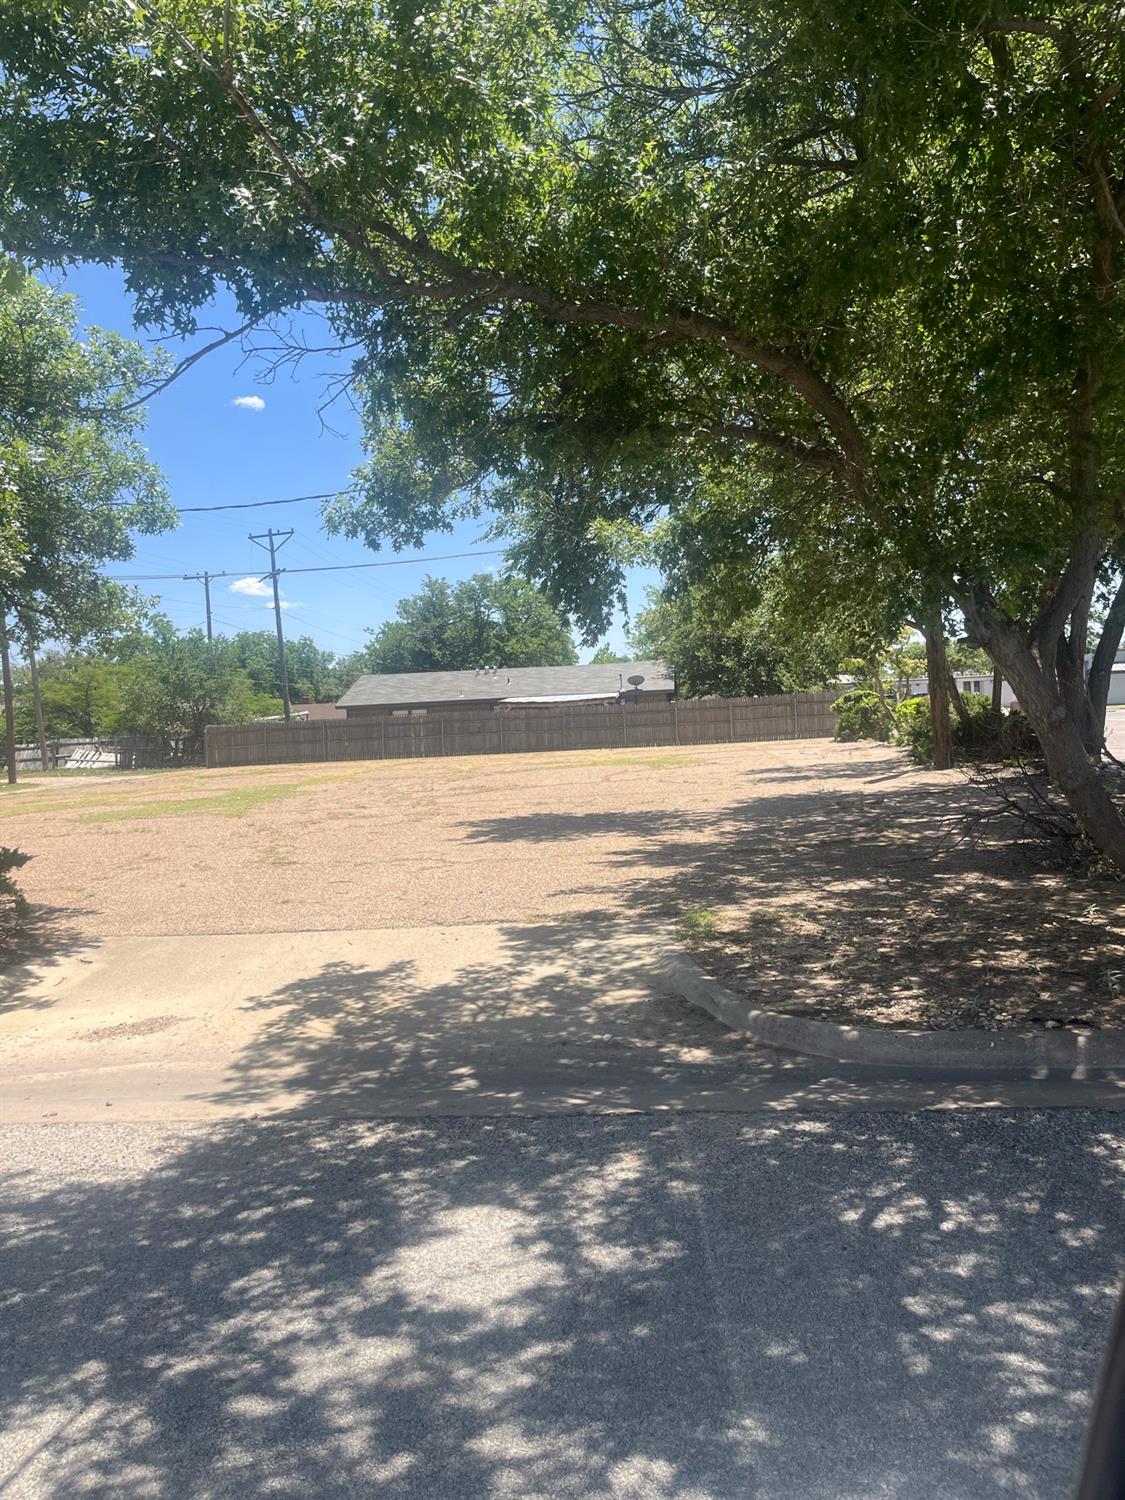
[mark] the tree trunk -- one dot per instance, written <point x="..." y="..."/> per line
<point x="1068" y="762"/>
<point x="1070" y="668"/>
<point x="954" y="691"/>
<point x="888" y="711"/>
<point x="9" y="701"/>
<point x="1101" y="668"/>
<point x="37" y="698"/>
<point x="937" y="682"/>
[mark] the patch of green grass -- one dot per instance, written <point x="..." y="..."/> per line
<point x="232" y="804"/>
<point x="653" y="762"/>
<point x="697" y="924"/>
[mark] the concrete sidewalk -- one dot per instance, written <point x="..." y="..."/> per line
<point x="473" y="1020"/>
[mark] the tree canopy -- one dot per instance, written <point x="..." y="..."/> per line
<point x="313" y="673"/>
<point x="483" y="621"/>
<point x="75" y="481"/>
<point x="715" y="654"/>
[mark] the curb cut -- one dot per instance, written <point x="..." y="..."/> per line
<point x="1015" y="1050"/>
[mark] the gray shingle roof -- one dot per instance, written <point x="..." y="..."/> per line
<point x="421" y="689"/>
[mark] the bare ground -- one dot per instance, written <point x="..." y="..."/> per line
<point x="819" y="878"/>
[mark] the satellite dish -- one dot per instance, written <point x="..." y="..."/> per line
<point x="636" y="679"/>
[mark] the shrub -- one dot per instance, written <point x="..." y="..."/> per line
<point x="1010" y="737"/>
<point x="13" y="902"/>
<point x="914" y="729"/>
<point x="978" y="737"/>
<point x="1019" y="740"/>
<point x="980" y="730"/>
<point x="860" y="716"/>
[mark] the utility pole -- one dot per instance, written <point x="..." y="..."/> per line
<point x="9" y="701"/>
<point x="273" y="541"/>
<point x="37" y="700"/>
<point x="205" y="579"/>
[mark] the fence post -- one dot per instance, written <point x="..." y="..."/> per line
<point x="500" y="725"/>
<point x="441" y="721"/>
<point x="675" y="721"/>
<point x="624" y="727"/>
<point x="382" y="736"/>
<point x="730" y="716"/>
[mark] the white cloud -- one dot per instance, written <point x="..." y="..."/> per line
<point x="257" y="588"/>
<point x="249" y="403"/>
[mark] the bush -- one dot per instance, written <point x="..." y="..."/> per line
<point x="1019" y="742"/>
<point x="860" y="716"/>
<point x="13" y="902"/>
<point x="979" y="737"/>
<point x="1010" y="737"/>
<point x="980" y="730"/>
<point x="914" y="729"/>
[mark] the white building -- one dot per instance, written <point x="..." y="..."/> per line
<point x="977" y="682"/>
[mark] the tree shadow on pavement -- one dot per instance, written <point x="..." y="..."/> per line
<point x="44" y="939"/>
<point x="860" y="904"/>
<point x="673" y="1309"/>
<point x="548" y="1013"/>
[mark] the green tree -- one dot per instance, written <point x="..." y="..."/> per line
<point x="606" y="656"/>
<point x="311" y="671"/>
<point x="75" y="483"/>
<point x="851" y="276"/>
<point x="483" y="621"/>
<point x="81" y="695"/>
<point x="717" y="653"/>
<point x="181" y="683"/>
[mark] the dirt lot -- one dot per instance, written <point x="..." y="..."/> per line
<point x="815" y="876"/>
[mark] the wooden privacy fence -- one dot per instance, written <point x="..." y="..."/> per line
<point x="126" y="752"/>
<point x="698" y="721"/>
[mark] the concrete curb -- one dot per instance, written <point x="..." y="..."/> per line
<point x="885" y="1045"/>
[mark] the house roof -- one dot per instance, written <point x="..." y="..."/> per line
<point x="402" y="689"/>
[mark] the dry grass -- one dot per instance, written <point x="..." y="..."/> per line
<point x="815" y="876"/>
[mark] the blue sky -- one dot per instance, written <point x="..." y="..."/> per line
<point x="273" y="445"/>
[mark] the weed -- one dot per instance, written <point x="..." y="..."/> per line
<point x="697" y="924"/>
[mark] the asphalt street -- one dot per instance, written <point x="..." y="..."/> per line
<point x="683" y="1306"/>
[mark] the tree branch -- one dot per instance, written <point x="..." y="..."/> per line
<point x="474" y="281"/>
<point x="186" y="364"/>
<point x="1073" y="584"/>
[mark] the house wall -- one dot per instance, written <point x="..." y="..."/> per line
<point x="372" y="711"/>
<point x="389" y="711"/>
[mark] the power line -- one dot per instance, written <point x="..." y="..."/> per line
<point x="397" y="562"/>
<point x="194" y="510"/>
<point x="392" y="562"/>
